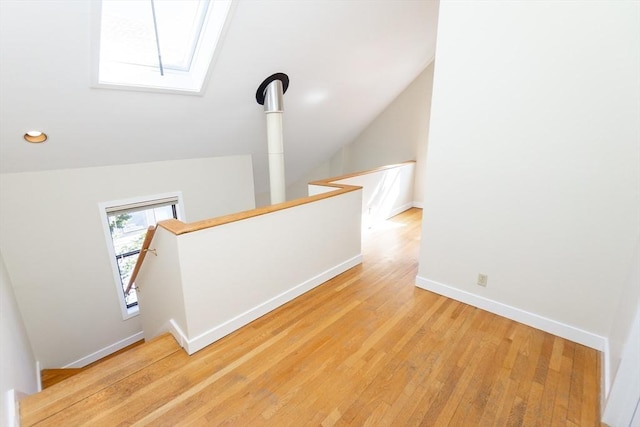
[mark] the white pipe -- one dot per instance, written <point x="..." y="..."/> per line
<point x="270" y="94"/>
<point x="275" y="146"/>
<point x="273" y="108"/>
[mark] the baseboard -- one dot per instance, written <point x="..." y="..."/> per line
<point x="623" y="396"/>
<point x="400" y="209"/>
<point x="551" y="326"/>
<point x="199" y="342"/>
<point x="11" y="407"/>
<point x="38" y="376"/>
<point x="418" y="205"/>
<point x="604" y="377"/>
<point x="175" y="330"/>
<point x="104" y="352"/>
<point x="10" y="410"/>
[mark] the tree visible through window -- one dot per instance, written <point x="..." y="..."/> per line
<point x="128" y="227"/>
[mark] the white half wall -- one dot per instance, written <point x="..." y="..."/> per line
<point x="399" y="133"/>
<point x="56" y="254"/>
<point x="205" y="284"/>
<point x="626" y="311"/>
<point x="532" y="172"/>
<point x="18" y="373"/>
<point x="161" y="295"/>
<point x="621" y="391"/>
<point x="623" y="403"/>
<point x="385" y="192"/>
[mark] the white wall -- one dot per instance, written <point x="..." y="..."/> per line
<point x="346" y="59"/>
<point x="161" y="295"/>
<point x="623" y="404"/>
<point x="212" y="281"/>
<point x="385" y="193"/>
<point x="624" y="352"/>
<point x="532" y="170"/>
<point x="397" y="134"/>
<point x="18" y="370"/>
<point x="55" y="250"/>
<point x="628" y="305"/>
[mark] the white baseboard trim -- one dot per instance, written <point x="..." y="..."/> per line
<point x="551" y="326"/>
<point x="93" y="357"/>
<point x="418" y="205"/>
<point x="623" y="396"/>
<point x="175" y="330"/>
<point x="11" y="408"/>
<point x="605" y="374"/>
<point x="38" y="376"/>
<point x="400" y="209"/>
<point x="191" y="345"/>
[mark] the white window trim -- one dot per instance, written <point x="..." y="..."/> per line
<point x="128" y="313"/>
<point x="203" y="61"/>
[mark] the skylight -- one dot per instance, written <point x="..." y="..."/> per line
<point x="171" y="52"/>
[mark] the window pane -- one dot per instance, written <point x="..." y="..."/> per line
<point x="128" y="34"/>
<point x="128" y="230"/>
<point x="179" y="26"/>
<point x="132" y="298"/>
<point x="162" y="213"/>
<point x="125" y="265"/>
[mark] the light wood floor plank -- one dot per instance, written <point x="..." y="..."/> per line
<point x="63" y="395"/>
<point x="365" y="348"/>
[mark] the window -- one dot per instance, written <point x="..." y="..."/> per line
<point x="126" y="223"/>
<point x="159" y="44"/>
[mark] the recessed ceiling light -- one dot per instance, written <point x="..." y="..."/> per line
<point x="35" y="136"/>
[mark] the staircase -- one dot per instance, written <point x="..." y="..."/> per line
<point x="77" y="399"/>
<point x="50" y="377"/>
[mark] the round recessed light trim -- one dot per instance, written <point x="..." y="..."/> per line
<point x="35" y="136"/>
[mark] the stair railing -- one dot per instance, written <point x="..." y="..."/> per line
<point x="143" y="252"/>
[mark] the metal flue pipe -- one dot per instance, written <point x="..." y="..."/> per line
<point x="270" y="94"/>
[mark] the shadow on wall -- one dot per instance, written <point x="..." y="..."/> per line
<point x="384" y="198"/>
<point x="387" y="191"/>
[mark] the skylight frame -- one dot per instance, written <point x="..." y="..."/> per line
<point x="195" y="42"/>
<point x="145" y="78"/>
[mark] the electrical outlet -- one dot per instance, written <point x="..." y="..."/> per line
<point x="482" y="280"/>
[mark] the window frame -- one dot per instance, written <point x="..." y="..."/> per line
<point x="105" y="209"/>
<point x="192" y="82"/>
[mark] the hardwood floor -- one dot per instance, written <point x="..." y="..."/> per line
<point x="49" y="377"/>
<point x="367" y="348"/>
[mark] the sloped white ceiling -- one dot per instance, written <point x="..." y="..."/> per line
<point x="346" y="59"/>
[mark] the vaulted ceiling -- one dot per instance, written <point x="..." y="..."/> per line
<point x="346" y="59"/>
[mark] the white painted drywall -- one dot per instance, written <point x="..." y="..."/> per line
<point x="212" y="281"/>
<point x="55" y="250"/>
<point x="229" y="269"/>
<point x="399" y="133"/>
<point x="160" y="294"/>
<point x="628" y="303"/>
<point x="532" y="171"/>
<point x="18" y="370"/>
<point x="346" y="60"/>
<point x="625" y="393"/>
<point x="624" y="353"/>
<point x="385" y="193"/>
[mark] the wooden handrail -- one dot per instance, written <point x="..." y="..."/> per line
<point x="178" y="227"/>
<point x="143" y="252"/>
<point x="365" y="172"/>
